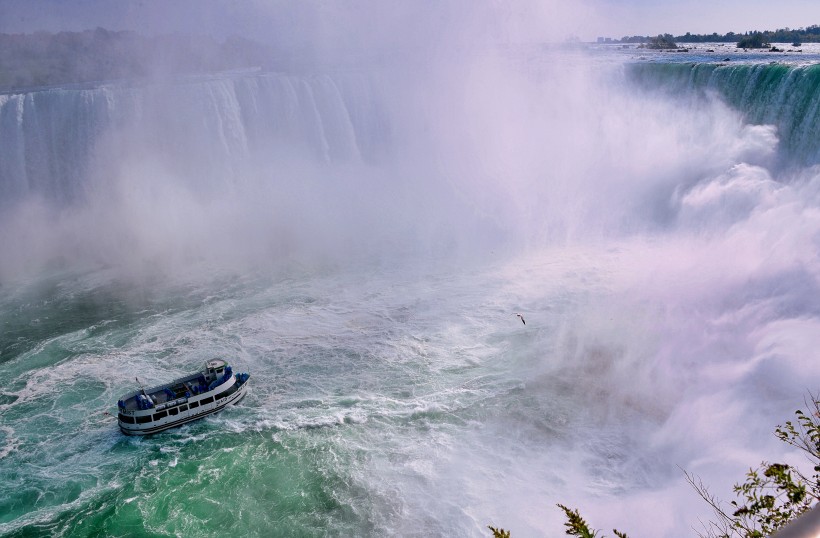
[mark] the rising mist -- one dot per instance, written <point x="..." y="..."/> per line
<point x="662" y="247"/>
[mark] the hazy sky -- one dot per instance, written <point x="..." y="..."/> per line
<point x="646" y="17"/>
<point x="528" y="19"/>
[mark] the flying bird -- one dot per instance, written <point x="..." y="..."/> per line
<point x="521" y="318"/>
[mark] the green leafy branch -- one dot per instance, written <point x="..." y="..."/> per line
<point x="775" y="493"/>
<point x="772" y="495"/>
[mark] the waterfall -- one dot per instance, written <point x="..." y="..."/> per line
<point x="54" y="139"/>
<point x="785" y="96"/>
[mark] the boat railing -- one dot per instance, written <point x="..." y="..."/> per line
<point x="158" y="388"/>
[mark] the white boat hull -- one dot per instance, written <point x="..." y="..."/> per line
<point x="183" y="410"/>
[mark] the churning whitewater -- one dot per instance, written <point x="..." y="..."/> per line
<point x="361" y="241"/>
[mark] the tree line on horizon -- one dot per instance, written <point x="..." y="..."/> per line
<point x="810" y="34"/>
<point x="45" y="59"/>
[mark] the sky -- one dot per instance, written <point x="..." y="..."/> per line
<point x="534" y="20"/>
<point x="618" y="18"/>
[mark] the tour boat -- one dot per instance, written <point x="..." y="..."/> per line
<point x="182" y="400"/>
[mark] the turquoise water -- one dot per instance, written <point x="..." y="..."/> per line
<point x="348" y="382"/>
<point x="772" y="93"/>
<point x="364" y="260"/>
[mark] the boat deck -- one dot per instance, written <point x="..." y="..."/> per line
<point x="178" y="388"/>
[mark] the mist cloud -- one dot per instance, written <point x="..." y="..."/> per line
<point x="675" y="260"/>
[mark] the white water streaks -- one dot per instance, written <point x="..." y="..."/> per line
<point x="665" y="259"/>
<point x="443" y="409"/>
<point x="57" y="139"/>
<point x="510" y="149"/>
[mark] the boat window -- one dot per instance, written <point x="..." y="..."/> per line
<point x="126" y="419"/>
<point x="193" y="404"/>
<point x="161" y="414"/>
<point x="183" y="407"/>
<point x="209" y="399"/>
<point x="143" y="420"/>
<point x="173" y="411"/>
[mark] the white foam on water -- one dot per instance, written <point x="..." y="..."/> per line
<point x="666" y="265"/>
<point x="49" y="514"/>
<point x="10" y="443"/>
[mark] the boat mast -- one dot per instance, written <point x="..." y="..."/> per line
<point x="141" y="387"/>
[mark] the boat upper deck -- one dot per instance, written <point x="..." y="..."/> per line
<point x="216" y="372"/>
<point x="160" y="394"/>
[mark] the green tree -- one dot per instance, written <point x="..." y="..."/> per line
<point x="775" y="493"/>
<point x="754" y="41"/>
<point x="576" y="526"/>
<point x="499" y="533"/>
<point x="665" y="41"/>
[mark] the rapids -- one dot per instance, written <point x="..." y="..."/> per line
<point x="360" y="241"/>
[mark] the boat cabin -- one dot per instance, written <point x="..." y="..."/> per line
<point x="181" y="400"/>
<point x="214" y="369"/>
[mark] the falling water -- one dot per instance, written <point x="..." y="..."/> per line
<point x="360" y="242"/>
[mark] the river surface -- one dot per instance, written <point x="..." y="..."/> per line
<point x="360" y="243"/>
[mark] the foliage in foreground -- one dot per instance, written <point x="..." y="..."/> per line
<point x="576" y="526"/>
<point x="499" y="533"/>
<point x="773" y="495"/>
